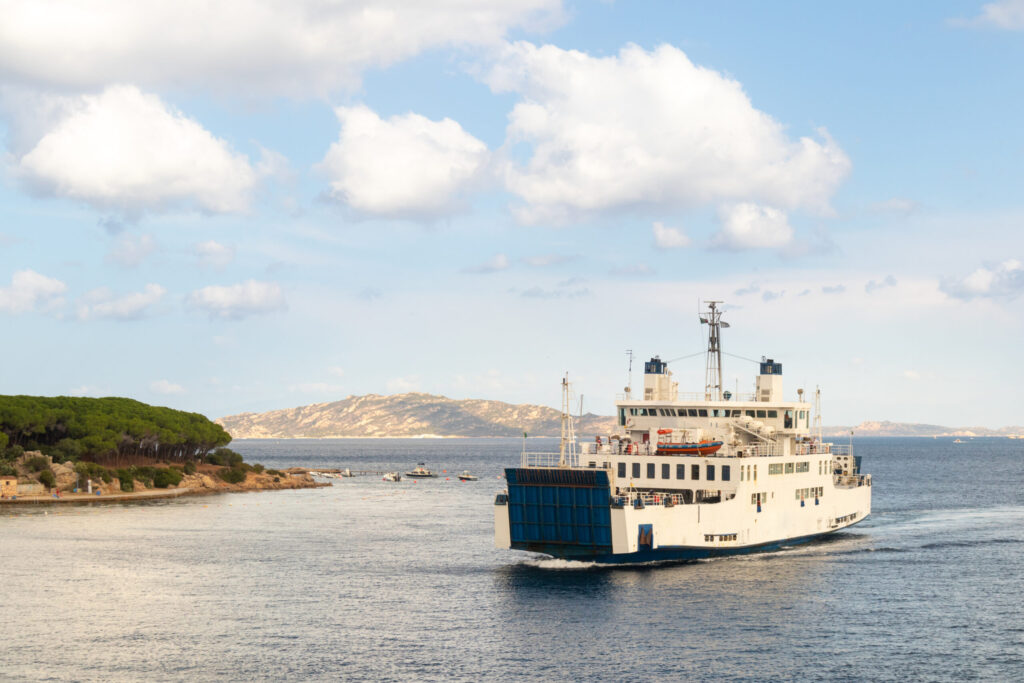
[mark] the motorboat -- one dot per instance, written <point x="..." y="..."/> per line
<point x="420" y="472"/>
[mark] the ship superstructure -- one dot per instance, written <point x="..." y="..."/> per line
<point x="686" y="476"/>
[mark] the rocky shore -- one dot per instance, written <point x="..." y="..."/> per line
<point x="70" y="487"/>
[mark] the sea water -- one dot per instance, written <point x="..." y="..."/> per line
<point x="371" y="580"/>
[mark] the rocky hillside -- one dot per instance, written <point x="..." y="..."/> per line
<point x="408" y="415"/>
<point x="885" y="428"/>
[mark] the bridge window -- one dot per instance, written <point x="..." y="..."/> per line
<point x="650" y="470"/>
<point x="762" y="414"/>
<point x="680" y="471"/>
<point x="666" y="470"/>
<point x="726" y="472"/>
<point x="633" y="411"/>
<point x="692" y="412"/>
<point x="711" y="472"/>
<point x="695" y="472"/>
<point x="622" y="417"/>
<point x="622" y="470"/>
<point x="702" y="412"/>
<point x="773" y="413"/>
<point x="750" y="413"/>
<point x="636" y="470"/>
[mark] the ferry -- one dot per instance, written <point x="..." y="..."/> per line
<point x="752" y="474"/>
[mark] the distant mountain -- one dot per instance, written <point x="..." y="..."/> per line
<point x="408" y="415"/>
<point x="416" y="414"/>
<point x="885" y="428"/>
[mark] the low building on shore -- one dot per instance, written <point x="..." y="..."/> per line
<point x="8" y="486"/>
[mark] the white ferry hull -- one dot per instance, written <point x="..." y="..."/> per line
<point x="560" y="514"/>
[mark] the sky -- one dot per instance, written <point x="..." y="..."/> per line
<point x="246" y="206"/>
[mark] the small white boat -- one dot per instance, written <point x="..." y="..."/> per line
<point x="346" y="473"/>
<point x="392" y="476"/>
<point x="420" y="472"/>
<point x="466" y="476"/>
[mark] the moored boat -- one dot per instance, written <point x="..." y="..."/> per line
<point x="392" y="476"/>
<point x="420" y="472"/>
<point x="466" y="476"/>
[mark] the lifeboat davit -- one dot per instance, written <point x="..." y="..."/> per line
<point x="706" y="447"/>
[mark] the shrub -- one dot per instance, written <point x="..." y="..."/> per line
<point x="14" y="452"/>
<point x="274" y="473"/>
<point x="167" y="477"/>
<point x="126" y="478"/>
<point x="258" y="468"/>
<point x="47" y="478"/>
<point x="38" y="463"/>
<point x="232" y="475"/>
<point x="190" y="467"/>
<point x="7" y="470"/>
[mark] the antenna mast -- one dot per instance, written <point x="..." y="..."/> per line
<point x="629" y="383"/>
<point x="817" y="411"/>
<point x="568" y="433"/>
<point x="713" y="374"/>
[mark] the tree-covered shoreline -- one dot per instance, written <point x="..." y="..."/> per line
<point x="109" y="430"/>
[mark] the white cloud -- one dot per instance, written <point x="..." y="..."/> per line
<point x="669" y="238"/>
<point x="213" y="254"/>
<point x="1005" y="14"/>
<point x="238" y="301"/>
<point x="163" y="386"/>
<point x="85" y="390"/>
<point x="126" y="150"/>
<point x="1004" y="279"/>
<point x="499" y="262"/>
<point x="545" y="260"/>
<point x="649" y="129"/>
<point x="874" y="286"/>
<point x="130" y="251"/>
<point x="255" y="46"/>
<point x="898" y="205"/>
<point x="315" y="388"/>
<point x="102" y="303"/>
<point x="336" y="371"/>
<point x="29" y="290"/>
<point x="912" y="375"/>
<point x="833" y="289"/>
<point x="405" y="166"/>
<point x="749" y="226"/>
<point x="402" y="385"/>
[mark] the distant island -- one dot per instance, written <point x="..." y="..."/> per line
<point x="428" y="415"/>
<point x="67" y="448"/>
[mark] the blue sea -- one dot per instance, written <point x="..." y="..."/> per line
<point x="368" y="580"/>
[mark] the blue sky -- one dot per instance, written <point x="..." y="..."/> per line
<point x="260" y="205"/>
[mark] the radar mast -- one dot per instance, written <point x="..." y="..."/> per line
<point x="713" y="375"/>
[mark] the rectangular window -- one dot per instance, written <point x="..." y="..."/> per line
<point x="755" y="472"/>
<point x="711" y="473"/>
<point x="789" y="468"/>
<point x="695" y="472"/>
<point x="803" y="467"/>
<point x="680" y="471"/>
<point x="775" y="468"/>
<point x="622" y="470"/>
<point x="761" y="414"/>
<point x="702" y="412"/>
<point x="692" y="412"/>
<point x="650" y="470"/>
<point x="726" y="472"/>
<point x="632" y="411"/>
<point x="773" y="413"/>
<point x="735" y="413"/>
<point x="742" y="469"/>
<point x="666" y="470"/>
<point x="750" y="413"/>
<point x="671" y="412"/>
<point x="622" y="417"/>
<point x="803" y="413"/>
<point x="636" y="470"/>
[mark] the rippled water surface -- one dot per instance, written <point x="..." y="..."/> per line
<point x="375" y="580"/>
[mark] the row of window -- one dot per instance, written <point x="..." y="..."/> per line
<point x="711" y="538"/>
<point x="666" y="471"/>
<point x="816" y="491"/>
<point x="791" y="467"/>
<point x="713" y="412"/>
<point x="756" y="498"/>
<point x="750" y="476"/>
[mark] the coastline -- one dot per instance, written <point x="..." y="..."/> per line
<point x="198" y="485"/>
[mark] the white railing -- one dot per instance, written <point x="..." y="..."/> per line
<point x="694" y="397"/>
<point x="852" y="480"/>
<point x="630" y="497"/>
<point x="535" y="459"/>
<point x="821" y="449"/>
